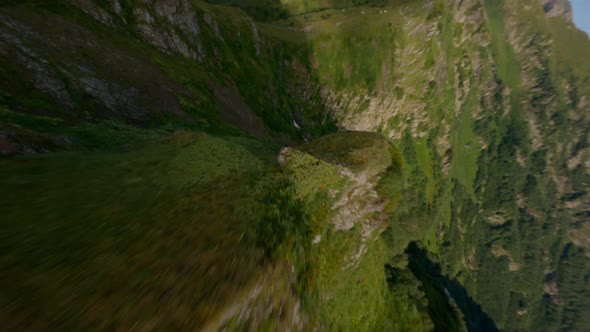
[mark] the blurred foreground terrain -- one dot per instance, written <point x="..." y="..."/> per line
<point x="338" y="165"/>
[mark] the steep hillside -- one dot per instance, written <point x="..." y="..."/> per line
<point x="264" y="164"/>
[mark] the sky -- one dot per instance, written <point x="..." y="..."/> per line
<point x="582" y="14"/>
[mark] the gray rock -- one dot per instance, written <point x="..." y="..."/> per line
<point x="172" y="26"/>
<point x="117" y="7"/>
<point x="558" y="8"/>
<point x="256" y="38"/>
<point x="284" y="154"/>
<point x="213" y="25"/>
<point x="45" y="78"/>
<point x="112" y="96"/>
<point x="94" y="11"/>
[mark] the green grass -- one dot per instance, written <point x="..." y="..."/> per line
<point x="425" y="162"/>
<point x="355" y="298"/>
<point x="109" y="238"/>
<point x="200" y="164"/>
<point x="356" y="150"/>
<point x="507" y="65"/>
<point x="466" y="150"/>
<point x="311" y="175"/>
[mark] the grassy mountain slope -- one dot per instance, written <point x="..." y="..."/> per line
<point x="165" y="122"/>
<point x="483" y="99"/>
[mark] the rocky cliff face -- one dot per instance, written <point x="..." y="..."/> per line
<point x="487" y="101"/>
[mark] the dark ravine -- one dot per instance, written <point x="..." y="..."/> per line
<point x="441" y="287"/>
<point x="248" y="165"/>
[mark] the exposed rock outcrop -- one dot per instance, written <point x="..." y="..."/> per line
<point x="559" y="8"/>
<point x="171" y="26"/>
